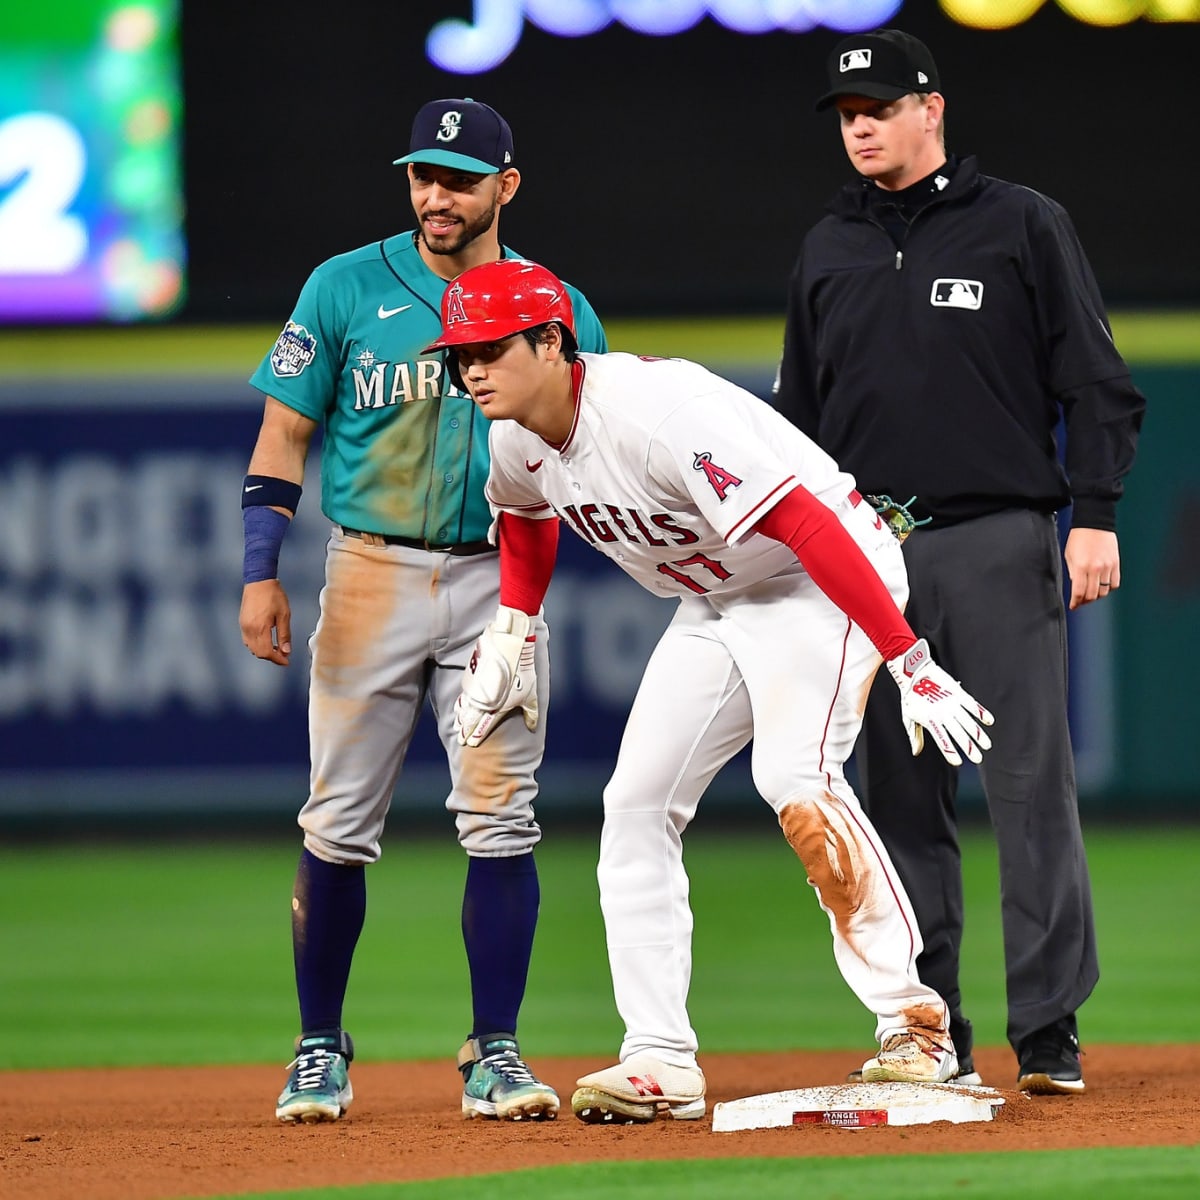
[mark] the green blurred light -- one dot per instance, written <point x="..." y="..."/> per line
<point x="60" y="23"/>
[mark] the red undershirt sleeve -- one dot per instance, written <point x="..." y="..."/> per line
<point x="528" y="549"/>
<point x="839" y="568"/>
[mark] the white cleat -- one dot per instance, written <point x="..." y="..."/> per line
<point x="637" y="1090"/>
<point x="913" y="1056"/>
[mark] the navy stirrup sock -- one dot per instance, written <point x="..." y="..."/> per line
<point x="499" y="915"/>
<point x="329" y="905"/>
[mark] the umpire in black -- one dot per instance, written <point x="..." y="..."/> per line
<point x="940" y="323"/>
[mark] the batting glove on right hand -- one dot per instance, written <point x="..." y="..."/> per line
<point x="930" y="699"/>
<point x="499" y="678"/>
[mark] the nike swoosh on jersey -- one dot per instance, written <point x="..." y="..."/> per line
<point x="533" y="466"/>
<point x="384" y="313"/>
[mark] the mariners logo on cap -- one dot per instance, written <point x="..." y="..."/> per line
<point x="854" y="60"/>
<point x="450" y="127"/>
<point x="454" y="305"/>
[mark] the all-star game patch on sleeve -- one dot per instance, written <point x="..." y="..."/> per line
<point x="294" y="349"/>
<point x="301" y="368"/>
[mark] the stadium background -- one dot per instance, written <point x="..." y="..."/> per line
<point x="671" y="177"/>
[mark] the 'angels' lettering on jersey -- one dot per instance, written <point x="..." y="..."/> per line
<point x="419" y="380"/>
<point x="667" y="470"/>
<point x="634" y="526"/>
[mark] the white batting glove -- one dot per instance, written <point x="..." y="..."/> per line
<point x="499" y="678"/>
<point x="930" y="699"/>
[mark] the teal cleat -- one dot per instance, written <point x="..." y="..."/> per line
<point x="497" y="1084"/>
<point x="318" y="1088"/>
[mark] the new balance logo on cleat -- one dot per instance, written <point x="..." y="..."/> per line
<point x="647" y="1086"/>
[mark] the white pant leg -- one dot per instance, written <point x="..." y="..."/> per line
<point x="807" y="670"/>
<point x="690" y="716"/>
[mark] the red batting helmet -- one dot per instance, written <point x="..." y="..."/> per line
<point x="496" y="300"/>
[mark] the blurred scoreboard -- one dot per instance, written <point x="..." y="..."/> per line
<point x="468" y="47"/>
<point x="91" y="202"/>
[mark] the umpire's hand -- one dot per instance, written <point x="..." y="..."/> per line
<point x="1093" y="564"/>
<point x="266" y="620"/>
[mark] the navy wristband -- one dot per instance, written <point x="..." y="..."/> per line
<point x="264" y="529"/>
<point x="271" y="492"/>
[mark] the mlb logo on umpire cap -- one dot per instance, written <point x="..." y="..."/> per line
<point x="465" y="134"/>
<point x="855" y="60"/>
<point x="882" y="65"/>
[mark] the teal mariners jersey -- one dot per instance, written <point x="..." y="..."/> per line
<point x="404" y="451"/>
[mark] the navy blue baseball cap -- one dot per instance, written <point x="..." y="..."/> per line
<point x="462" y="133"/>
<point x="883" y="65"/>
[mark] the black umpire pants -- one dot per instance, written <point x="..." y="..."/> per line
<point x="987" y="594"/>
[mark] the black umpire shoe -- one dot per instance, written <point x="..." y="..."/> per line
<point x="1049" y="1060"/>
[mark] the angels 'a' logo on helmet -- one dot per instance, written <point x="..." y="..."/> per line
<point x="721" y="479"/>
<point x="454" y="305"/>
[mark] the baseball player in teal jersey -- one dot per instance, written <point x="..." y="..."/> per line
<point x="410" y="580"/>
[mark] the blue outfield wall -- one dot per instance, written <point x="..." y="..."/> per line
<point x="125" y="688"/>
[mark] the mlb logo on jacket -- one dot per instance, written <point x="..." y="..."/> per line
<point x="956" y="293"/>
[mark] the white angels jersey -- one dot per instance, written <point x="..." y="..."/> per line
<point x="666" y="470"/>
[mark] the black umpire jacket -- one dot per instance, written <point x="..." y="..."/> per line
<point x="937" y="363"/>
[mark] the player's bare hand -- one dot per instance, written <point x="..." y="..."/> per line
<point x="499" y="678"/>
<point x="930" y="700"/>
<point x="266" y="620"/>
<point x="1093" y="564"/>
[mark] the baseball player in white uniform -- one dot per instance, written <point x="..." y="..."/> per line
<point x="789" y="592"/>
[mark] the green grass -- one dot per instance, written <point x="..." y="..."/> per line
<point x="181" y="953"/>
<point x="1166" y="1173"/>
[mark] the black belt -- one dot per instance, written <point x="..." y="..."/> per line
<point x="391" y="539"/>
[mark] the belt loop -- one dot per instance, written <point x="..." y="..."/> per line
<point x="373" y="539"/>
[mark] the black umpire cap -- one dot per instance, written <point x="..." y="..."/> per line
<point x="884" y="65"/>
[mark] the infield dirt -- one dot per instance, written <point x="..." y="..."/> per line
<point x="157" y="1133"/>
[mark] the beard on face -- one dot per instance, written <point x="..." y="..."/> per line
<point x="463" y="235"/>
